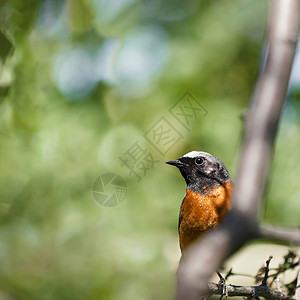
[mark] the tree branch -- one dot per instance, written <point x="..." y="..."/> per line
<point x="240" y="225"/>
<point x="278" y="234"/>
<point x="246" y="291"/>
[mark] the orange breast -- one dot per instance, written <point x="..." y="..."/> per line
<point x="200" y="212"/>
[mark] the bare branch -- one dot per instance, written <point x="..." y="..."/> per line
<point x="246" y="291"/>
<point x="240" y="224"/>
<point x="264" y="282"/>
<point x="278" y="234"/>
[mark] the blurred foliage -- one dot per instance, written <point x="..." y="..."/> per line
<point x="80" y="82"/>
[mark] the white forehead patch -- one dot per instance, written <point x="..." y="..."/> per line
<point x="194" y="154"/>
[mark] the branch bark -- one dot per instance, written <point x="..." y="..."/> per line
<point x="247" y="291"/>
<point x="240" y="225"/>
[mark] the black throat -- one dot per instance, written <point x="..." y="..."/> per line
<point x="203" y="185"/>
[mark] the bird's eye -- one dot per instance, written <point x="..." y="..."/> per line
<point x="199" y="161"/>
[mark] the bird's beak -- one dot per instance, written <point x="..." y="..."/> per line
<point x="177" y="163"/>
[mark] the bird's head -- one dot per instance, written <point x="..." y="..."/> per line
<point x="201" y="169"/>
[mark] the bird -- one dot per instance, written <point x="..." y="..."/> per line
<point x="208" y="193"/>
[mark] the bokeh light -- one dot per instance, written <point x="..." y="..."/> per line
<point x="75" y="73"/>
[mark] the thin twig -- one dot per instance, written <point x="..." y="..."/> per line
<point x="264" y="282"/>
<point x="277" y="281"/>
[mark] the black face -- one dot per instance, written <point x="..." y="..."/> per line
<point x="201" y="169"/>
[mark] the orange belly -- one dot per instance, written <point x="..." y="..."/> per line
<point x="200" y="212"/>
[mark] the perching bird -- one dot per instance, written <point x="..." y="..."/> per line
<point x="207" y="198"/>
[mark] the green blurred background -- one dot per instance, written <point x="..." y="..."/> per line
<point x="81" y="82"/>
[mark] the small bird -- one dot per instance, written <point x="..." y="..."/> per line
<point x="207" y="198"/>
